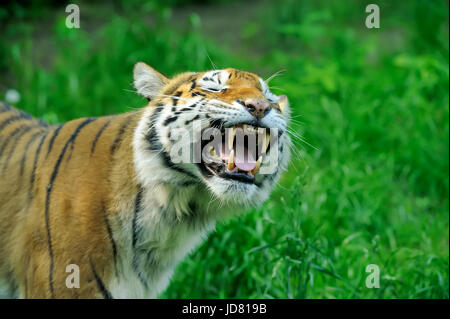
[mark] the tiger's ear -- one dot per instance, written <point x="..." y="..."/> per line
<point x="147" y="81"/>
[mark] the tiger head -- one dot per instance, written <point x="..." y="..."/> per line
<point x="221" y="129"/>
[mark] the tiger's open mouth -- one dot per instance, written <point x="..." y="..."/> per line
<point x="235" y="152"/>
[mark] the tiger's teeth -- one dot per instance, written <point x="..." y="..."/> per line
<point x="245" y="127"/>
<point x="258" y="165"/>
<point x="231" y="135"/>
<point x="250" y="129"/>
<point x="266" y="143"/>
<point x="230" y="165"/>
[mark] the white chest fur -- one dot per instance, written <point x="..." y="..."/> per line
<point x="164" y="229"/>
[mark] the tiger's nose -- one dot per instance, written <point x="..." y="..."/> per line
<point x="258" y="108"/>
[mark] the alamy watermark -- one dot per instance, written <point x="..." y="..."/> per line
<point x="373" y="279"/>
<point x="373" y="19"/>
<point x="73" y="19"/>
<point x="73" y="279"/>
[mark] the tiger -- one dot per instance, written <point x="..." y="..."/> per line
<point x="106" y="198"/>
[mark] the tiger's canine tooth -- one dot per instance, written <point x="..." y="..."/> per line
<point x="258" y="165"/>
<point x="230" y="164"/>
<point x="231" y="135"/>
<point x="245" y="127"/>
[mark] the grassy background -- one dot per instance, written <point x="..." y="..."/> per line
<point x="373" y="103"/>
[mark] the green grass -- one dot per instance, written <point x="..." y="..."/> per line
<point x="374" y="105"/>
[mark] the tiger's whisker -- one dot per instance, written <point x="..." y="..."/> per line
<point x="279" y="72"/>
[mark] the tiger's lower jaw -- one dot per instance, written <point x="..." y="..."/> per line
<point x="226" y="169"/>
<point x="220" y="170"/>
<point x="240" y="189"/>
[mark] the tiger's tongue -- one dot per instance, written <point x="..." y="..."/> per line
<point x="243" y="159"/>
<point x="245" y="164"/>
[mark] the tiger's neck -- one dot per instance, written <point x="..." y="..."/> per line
<point x="161" y="216"/>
